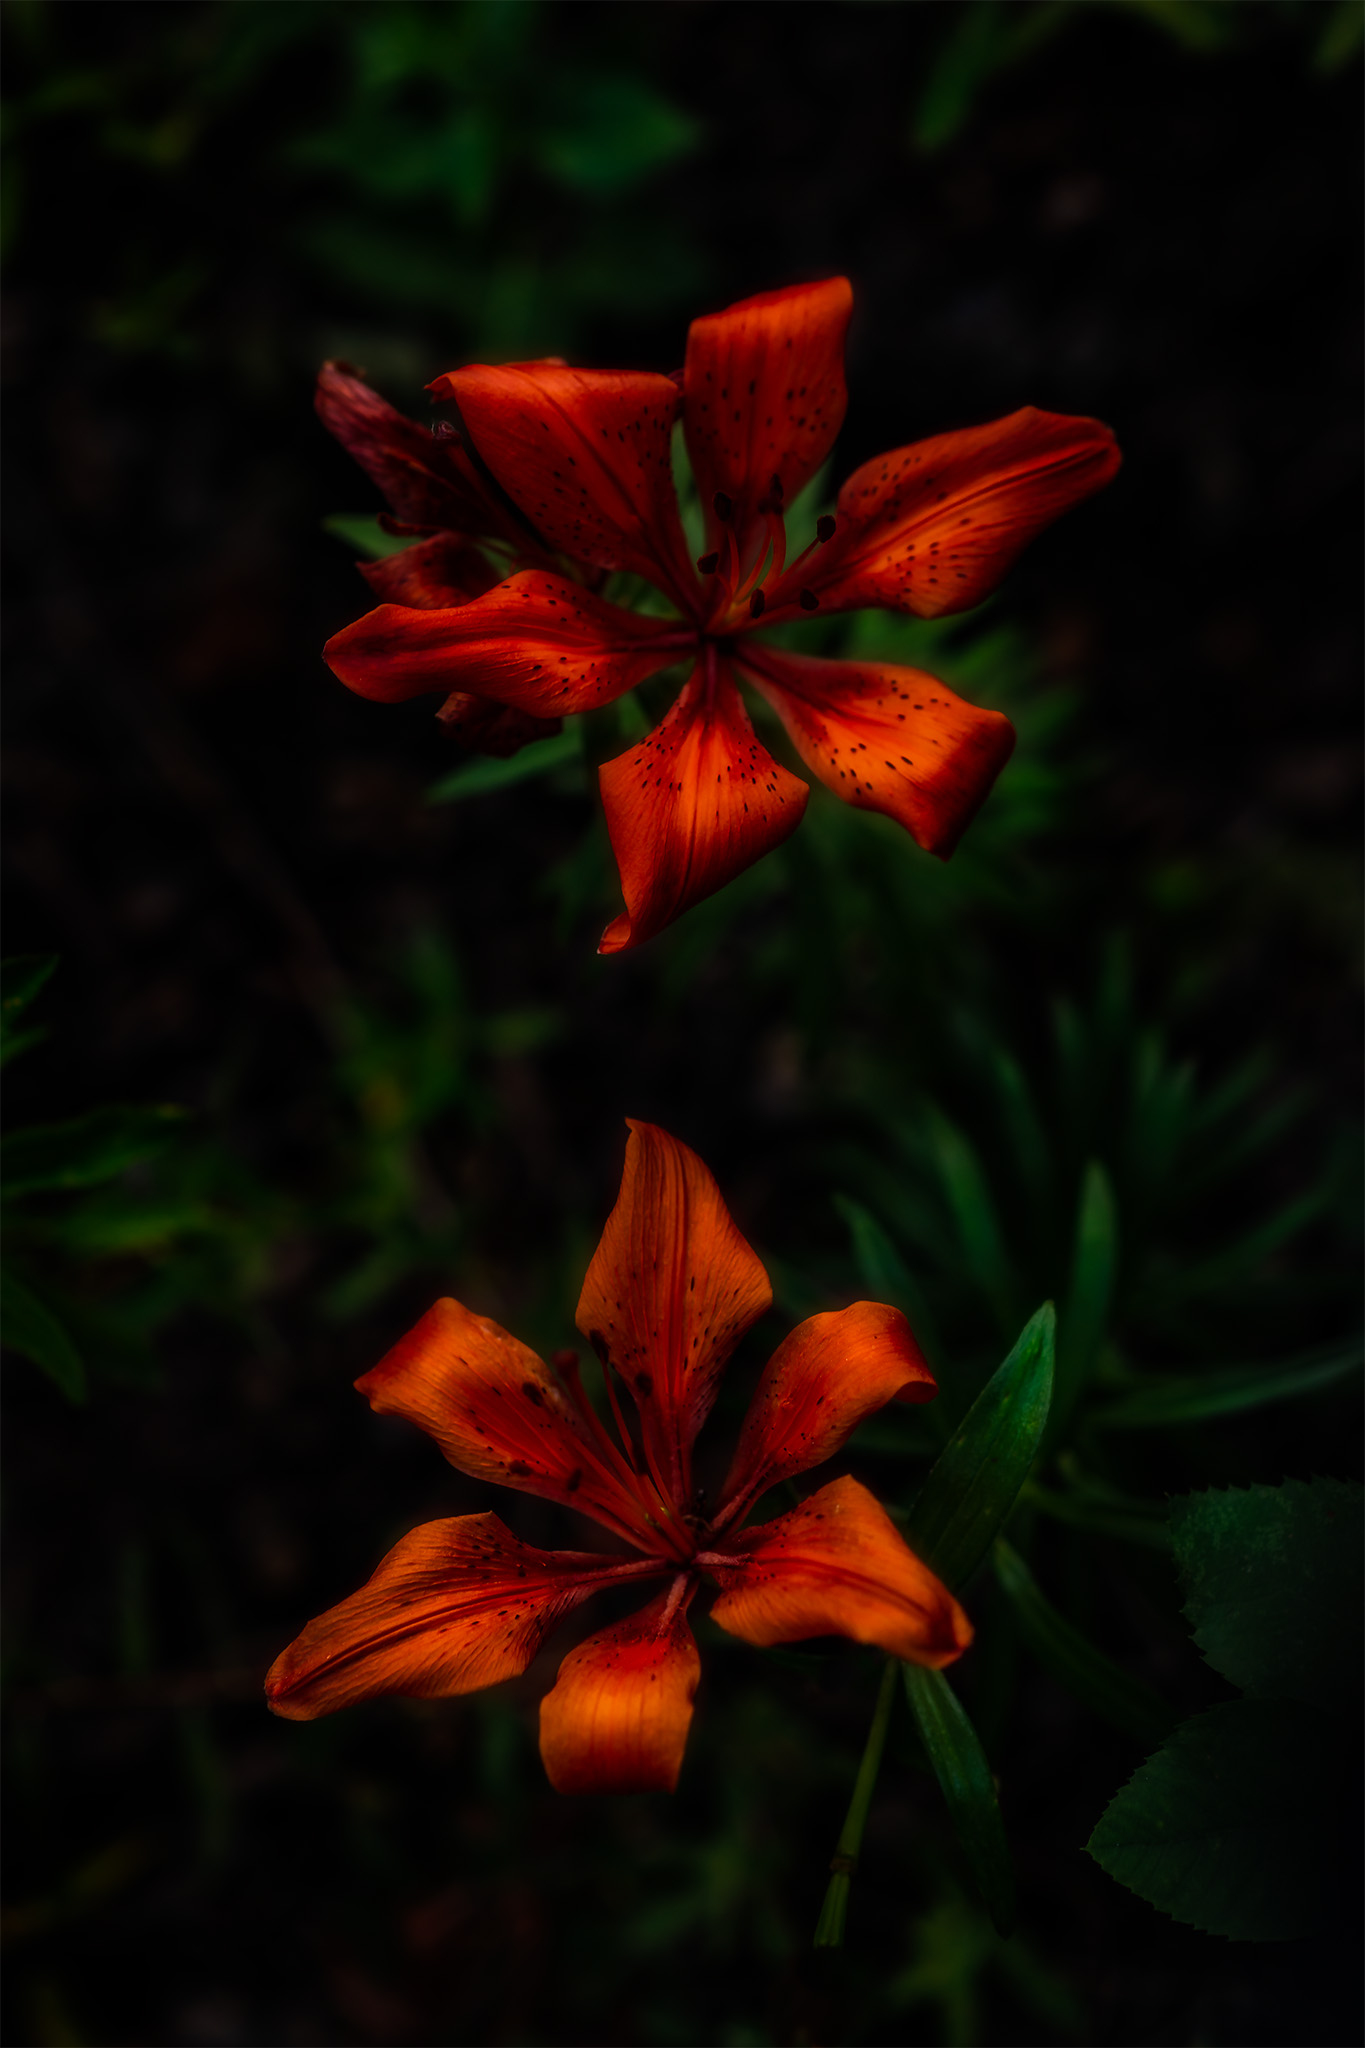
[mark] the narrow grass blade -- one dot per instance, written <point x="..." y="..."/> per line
<point x="973" y="1485"/>
<point x="959" y="1763"/>
<point x="1087" y="1674"/>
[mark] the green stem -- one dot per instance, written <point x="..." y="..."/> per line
<point x="829" y="1932"/>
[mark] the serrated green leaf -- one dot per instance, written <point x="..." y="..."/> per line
<point x="28" y="1326"/>
<point x="1061" y="1648"/>
<point x="1168" y="1403"/>
<point x="959" y="1763"/>
<point x="86" y="1150"/>
<point x="477" y="778"/>
<point x="1228" y="1827"/>
<point x="973" y="1485"/>
<point x="1275" y="1580"/>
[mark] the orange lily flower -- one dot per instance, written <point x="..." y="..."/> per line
<point x="571" y="471"/>
<point x="460" y="1604"/>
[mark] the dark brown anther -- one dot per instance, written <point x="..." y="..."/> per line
<point x="708" y="563"/>
<point x="775" y="491"/>
<point x="724" y="507"/>
<point x="824" y="527"/>
<point x="756" y="604"/>
<point x="445" y="430"/>
<point x="809" y="601"/>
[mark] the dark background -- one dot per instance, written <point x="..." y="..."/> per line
<point x="404" y="1067"/>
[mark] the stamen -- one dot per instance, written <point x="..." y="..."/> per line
<point x="708" y="564"/>
<point x="775" y="491"/>
<point x="724" y="507"/>
<point x="676" y="1591"/>
<point x="444" y="430"/>
<point x="809" y="601"/>
<point x="756" y="604"/>
<point x="824" y="527"/>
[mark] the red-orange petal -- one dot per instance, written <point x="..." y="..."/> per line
<point x="836" y="1566"/>
<point x="932" y="528"/>
<point x="618" y="1716"/>
<point x="498" y="1412"/>
<point x="764" y="396"/>
<point x="428" y="483"/>
<point x="538" y="642"/>
<point x="887" y="739"/>
<point x="671" y="1290"/>
<point x="692" y="806"/>
<point x="434" y="574"/>
<point x="485" y="727"/>
<point x="456" y="1605"/>
<point x="829" y="1375"/>
<point x="587" y="456"/>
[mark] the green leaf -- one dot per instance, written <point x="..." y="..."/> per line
<point x="615" y="132"/>
<point x="1104" y="1514"/>
<point x="885" y="1275"/>
<point x="968" y="1495"/>
<point x="1228" y="1827"/>
<point x="29" y="1327"/>
<point x="1167" y="1403"/>
<point x="975" y="47"/>
<point x="959" y="1763"/>
<point x="362" y="532"/>
<point x="20" y="980"/>
<point x="1275" y="1582"/>
<point x="1087" y="1674"/>
<point x="1340" y="37"/>
<point x="477" y="778"/>
<point x="89" y="1149"/>
<point x="1086" y="1315"/>
<point x="969" y="1197"/>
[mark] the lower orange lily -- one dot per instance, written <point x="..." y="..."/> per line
<point x="460" y="1604"/>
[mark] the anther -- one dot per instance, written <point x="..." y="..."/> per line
<point x="724" y="507"/>
<point x="756" y="604"/>
<point x="708" y="563"/>
<point x="445" y="430"/>
<point x="775" y="489"/>
<point x="824" y="527"/>
<point x="809" y="601"/>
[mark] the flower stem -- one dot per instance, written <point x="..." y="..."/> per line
<point x="829" y="1932"/>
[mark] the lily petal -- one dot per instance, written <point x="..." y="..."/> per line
<point x="836" y="1566"/>
<point x="618" y="1716"/>
<point x="438" y="572"/>
<point x="428" y="483"/>
<point x="671" y="1290"/>
<point x="887" y="739"/>
<point x="692" y="805"/>
<point x="498" y="1413"/>
<point x="537" y="642"/>
<point x="829" y="1375"/>
<point x="456" y="1605"/>
<point x="932" y="528"/>
<point x="485" y="727"/>
<point x="765" y="397"/>
<point x="587" y="455"/>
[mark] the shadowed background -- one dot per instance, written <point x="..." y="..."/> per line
<point x="403" y="1070"/>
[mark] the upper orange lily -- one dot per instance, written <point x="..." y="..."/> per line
<point x="568" y="472"/>
<point x="459" y="1604"/>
